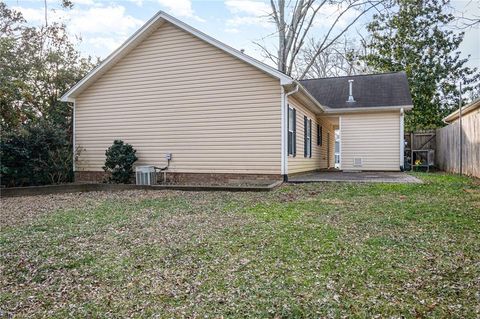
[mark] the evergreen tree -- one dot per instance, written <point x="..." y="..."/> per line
<point x="414" y="37"/>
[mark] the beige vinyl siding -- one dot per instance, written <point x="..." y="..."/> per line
<point x="299" y="163"/>
<point x="176" y="93"/>
<point x="374" y="137"/>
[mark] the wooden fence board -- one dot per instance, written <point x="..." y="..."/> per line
<point x="419" y="140"/>
<point x="448" y="145"/>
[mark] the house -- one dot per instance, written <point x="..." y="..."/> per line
<point x="458" y="143"/>
<point x="171" y="89"/>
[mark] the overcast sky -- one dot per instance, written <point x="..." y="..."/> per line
<point x="104" y="25"/>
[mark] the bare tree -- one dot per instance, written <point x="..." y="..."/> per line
<point x="466" y="19"/>
<point x="341" y="58"/>
<point x="294" y="22"/>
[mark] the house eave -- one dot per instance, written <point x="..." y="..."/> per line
<point x="314" y="105"/>
<point x="330" y="110"/>
<point x="465" y="110"/>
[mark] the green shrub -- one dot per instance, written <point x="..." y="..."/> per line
<point x="35" y="154"/>
<point x="119" y="162"/>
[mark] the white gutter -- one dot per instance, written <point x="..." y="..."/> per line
<point x="402" y="137"/>
<point x="367" y="109"/>
<point x="297" y="87"/>
<point x="314" y="100"/>
<point x="285" y="127"/>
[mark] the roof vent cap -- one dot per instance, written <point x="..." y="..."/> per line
<point x="350" y="93"/>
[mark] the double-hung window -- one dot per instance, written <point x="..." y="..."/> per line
<point x="292" y="131"/>
<point x="308" y="137"/>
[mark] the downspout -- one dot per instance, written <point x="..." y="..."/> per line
<point x="74" y="118"/>
<point x="340" y="142"/>
<point x="402" y="141"/>
<point x="283" y="133"/>
<point x="460" y="137"/>
<point x="292" y="92"/>
<point x="284" y="130"/>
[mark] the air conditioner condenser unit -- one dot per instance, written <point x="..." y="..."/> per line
<point x="145" y="175"/>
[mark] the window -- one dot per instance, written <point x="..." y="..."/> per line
<point x="308" y="137"/>
<point x="292" y="131"/>
<point x="319" y="134"/>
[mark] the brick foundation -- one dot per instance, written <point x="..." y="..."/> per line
<point x="218" y="178"/>
<point x="191" y="178"/>
<point x="89" y="176"/>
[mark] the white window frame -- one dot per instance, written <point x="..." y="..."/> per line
<point x="291" y="132"/>
<point x="308" y="151"/>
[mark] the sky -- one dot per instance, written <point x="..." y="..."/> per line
<point x="104" y="25"/>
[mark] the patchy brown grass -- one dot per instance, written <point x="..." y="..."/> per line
<point x="316" y="250"/>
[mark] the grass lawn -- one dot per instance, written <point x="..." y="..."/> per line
<point x="311" y="250"/>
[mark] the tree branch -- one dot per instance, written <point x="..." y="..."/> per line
<point x="322" y="46"/>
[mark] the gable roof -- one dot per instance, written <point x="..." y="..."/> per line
<point x="150" y="26"/>
<point x="386" y="90"/>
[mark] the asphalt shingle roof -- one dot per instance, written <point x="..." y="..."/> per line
<point x="369" y="90"/>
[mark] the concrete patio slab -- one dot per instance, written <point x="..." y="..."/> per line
<point x="354" y="177"/>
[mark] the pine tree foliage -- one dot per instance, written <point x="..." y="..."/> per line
<point x="415" y="37"/>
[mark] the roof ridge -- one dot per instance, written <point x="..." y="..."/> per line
<point x="350" y="76"/>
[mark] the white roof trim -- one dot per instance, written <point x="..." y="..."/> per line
<point x="367" y="109"/>
<point x="465" y="109"/>
<point x="142" y="33"/>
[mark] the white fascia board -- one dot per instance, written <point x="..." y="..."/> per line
<point x="314" y="100"/>
<point x="138" y="36"/>
<point x="465" y="109"/>
<point x="302" y="90"/>
<point x="368" y="109"/>
<point x="66" y="98"/>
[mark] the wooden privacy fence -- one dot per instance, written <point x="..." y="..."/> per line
<point x="449" y="145"/>
<point x="420" y="140"/>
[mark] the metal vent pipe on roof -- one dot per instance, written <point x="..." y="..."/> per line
<point x="350" y="91"/>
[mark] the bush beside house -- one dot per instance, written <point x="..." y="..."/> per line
<point x="35" y="154"/>
<point x="120" y="158"/>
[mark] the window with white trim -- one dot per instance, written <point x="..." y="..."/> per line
<point x="292" y="131"/>
<point x="308" y="137"/>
